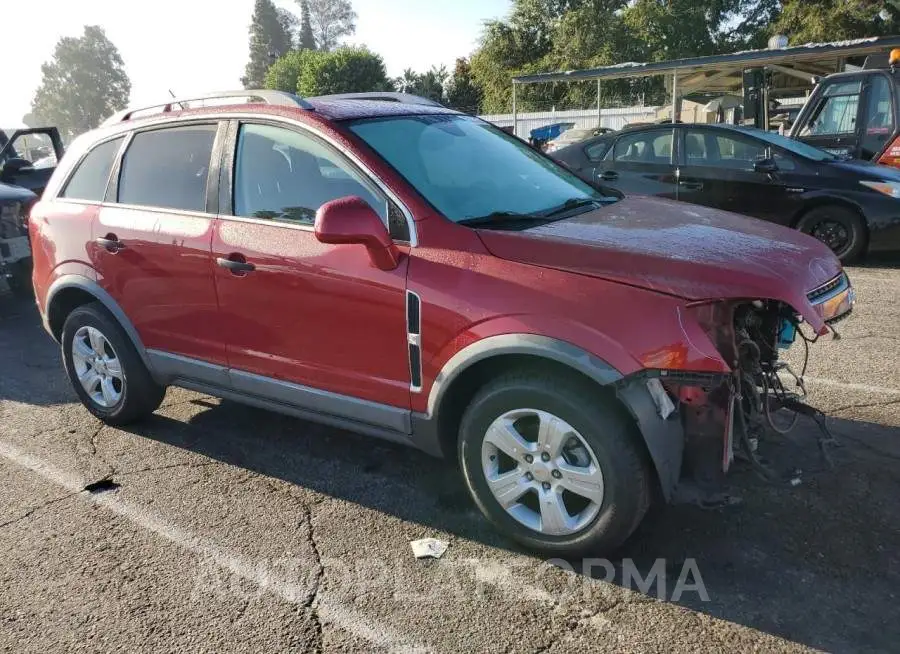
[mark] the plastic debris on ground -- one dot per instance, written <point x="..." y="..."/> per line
<point x="428" y="548"/>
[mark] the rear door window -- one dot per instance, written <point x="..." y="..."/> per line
<point x="168" y="168"/>
<point x="704" y="148"/>
<point x="595" y="151"/>
<point x="90" y="178"/>
<point x="645" y="147"/>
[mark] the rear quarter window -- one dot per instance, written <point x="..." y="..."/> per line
<point x="91" y="175"/>
<point x="596" y="151"/>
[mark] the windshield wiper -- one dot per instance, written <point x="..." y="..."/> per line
<point x="504" y="219"/>
<point x="571" y="204"/>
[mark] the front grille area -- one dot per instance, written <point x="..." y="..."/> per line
<point x="827" y="288"/>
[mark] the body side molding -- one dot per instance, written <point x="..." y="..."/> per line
<point x="298" y="412"/>
<point x="278" y="394"/>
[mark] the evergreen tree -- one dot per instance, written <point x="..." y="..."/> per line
<point x="270" y="38"/>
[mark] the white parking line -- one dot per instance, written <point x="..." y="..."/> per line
<point x="865" y="388"/>
<point x="335" y="613"/>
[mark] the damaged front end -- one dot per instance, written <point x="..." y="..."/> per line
<point x="703" y="422"/>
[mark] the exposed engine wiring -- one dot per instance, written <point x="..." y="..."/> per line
<point x="760" y="390"/>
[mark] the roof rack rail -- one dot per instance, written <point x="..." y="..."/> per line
<point x="384" y="96"/>
<point x="267" y="96"/>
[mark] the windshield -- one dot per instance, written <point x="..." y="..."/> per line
<point x="792" y="145"/>
<point x="467" y="168"/>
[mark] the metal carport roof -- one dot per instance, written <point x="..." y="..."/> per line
<point x="793" y="66"/>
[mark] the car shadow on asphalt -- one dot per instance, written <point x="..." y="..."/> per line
<point x="880" y="260"/>
<point x="815" y="563"/>
<point x="27" y="348"/>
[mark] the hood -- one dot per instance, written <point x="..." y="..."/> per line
<point x="15" y="194"/>
<point x="866" y="169"/>
<point x="679" y="249"/>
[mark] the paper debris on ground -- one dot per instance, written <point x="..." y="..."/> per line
<point x="428" y="547"/>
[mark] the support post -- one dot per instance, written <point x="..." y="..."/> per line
<point x="765" y="98"/>
<point x="598" y="104"/>
<point x="515" y="113"/>
<point x="675" y="95"/>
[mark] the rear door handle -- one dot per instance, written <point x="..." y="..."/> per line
<point x="692" y="186"/>
<point x="609" y="175"/>
<point x="110" y="243"/>
<point x="235" y="265"/>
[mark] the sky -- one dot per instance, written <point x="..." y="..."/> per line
<point x="192" y="46"/>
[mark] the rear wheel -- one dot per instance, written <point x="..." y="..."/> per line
<point x="553" y="465"/>
<point x="105" y="369"/>
<point x="839" y="228"/>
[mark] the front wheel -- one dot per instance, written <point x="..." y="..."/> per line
<point x="554" y="465"/>
<point x="839" y="228"/>
<point x="105" y="369"/>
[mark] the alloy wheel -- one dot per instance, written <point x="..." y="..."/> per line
<point x="542" y="472"/>
<point x="97" y="367"/>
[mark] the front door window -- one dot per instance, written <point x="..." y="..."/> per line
<point x="285" y="176"/>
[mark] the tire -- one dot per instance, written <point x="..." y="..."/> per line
<point x="847" y="227"/>
<point x="600" y="431"/>
<point x="134" y="395"/>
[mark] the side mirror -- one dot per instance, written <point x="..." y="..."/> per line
<point x="351" y="220"/>
<point x="14" y="166"/>
<point x="765" y="166"/>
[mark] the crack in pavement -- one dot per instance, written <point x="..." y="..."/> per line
<point x="312" y="602"/>
<point x="864" y="405"/>
<point x="871" y="448"/>
<point x="191" y="400"/>
<point x="342" y="615"/>
<point x="30" y="512"/>
<point x="202" y="464"/>
<point x="95" y="453"/>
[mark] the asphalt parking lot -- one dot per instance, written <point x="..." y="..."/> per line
<point x="223" y="528"/>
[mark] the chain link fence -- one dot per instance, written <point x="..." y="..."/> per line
<point x="580" y="105"/>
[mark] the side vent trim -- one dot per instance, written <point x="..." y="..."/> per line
<point x="414" y="340"/>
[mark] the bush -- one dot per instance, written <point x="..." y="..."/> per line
<point x="313" y="72"/>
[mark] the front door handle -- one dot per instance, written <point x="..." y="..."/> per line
<point x="110" y="243"/>
<point x="692" y="186"/>
<point x="609" y="175"/>
<point x="236" y="264"/>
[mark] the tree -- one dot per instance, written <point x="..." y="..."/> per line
<point x="431" y="83"/>
<point x="315" y="72"/>
<point x="547" y="35"/>
<point x="270" y="38"/>
<point x="462" y="92"/>
<point x="407" y="82"/>
<point x="82" y="84"/>
<point x="306" y="41"/>
<point x="810" y="21"/>
<point x="284" y="74"/>
<point x="330" y="20"/>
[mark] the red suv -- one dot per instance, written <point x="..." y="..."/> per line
<point x="416" y="274"/>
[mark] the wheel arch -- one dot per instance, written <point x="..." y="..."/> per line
<point x="819" y="201"/>
<point x="464" y="374"/>
<point x="72" y="291"/>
